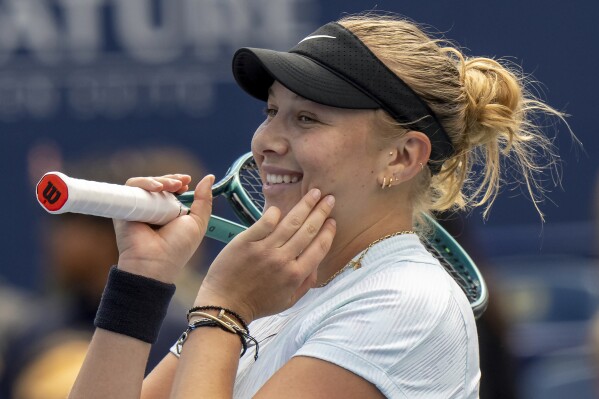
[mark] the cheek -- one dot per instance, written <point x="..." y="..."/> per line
<point x="255" y="140"/>
<point x="262" y="138"/>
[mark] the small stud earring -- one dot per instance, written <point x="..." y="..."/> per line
<point x="384" y="183"/>
<point x="390" y="153"/>
<point x="421" y="166"/>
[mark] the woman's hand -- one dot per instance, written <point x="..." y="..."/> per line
<point x="268" y="267"/>
<point x="160" y="253"/>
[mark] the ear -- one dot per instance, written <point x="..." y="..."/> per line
<point x="407" y="157"/>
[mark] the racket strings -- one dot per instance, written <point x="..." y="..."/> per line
<point x="252" y="183"/>
<point x="463" y="277"/>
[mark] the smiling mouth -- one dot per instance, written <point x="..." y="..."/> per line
<point x="282" y="179"/>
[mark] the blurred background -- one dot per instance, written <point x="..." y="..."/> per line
<point x="107" y="89"/>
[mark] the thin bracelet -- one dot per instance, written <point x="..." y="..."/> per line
<point x="246" y="335"/>
<point x="207" y="323"/>
<point x="226" y="321"/>
<point x="229" y="327"/>
<point x="243" y="323"/>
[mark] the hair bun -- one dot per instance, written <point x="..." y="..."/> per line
<point x="494" y="101"/>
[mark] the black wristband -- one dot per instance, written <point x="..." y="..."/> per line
<point x="133" y="305"/>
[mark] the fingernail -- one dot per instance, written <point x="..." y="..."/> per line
<point x="330" y="200"/>
<point x="156" y="184"/>
<point x="315" y="193"/>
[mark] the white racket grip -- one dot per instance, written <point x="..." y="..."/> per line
<point x="59" y="193"/>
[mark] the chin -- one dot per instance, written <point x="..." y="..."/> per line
<point x="282" y="196"/>
<point x="284" y="208"/>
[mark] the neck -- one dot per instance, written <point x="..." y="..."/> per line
<point x="347" y="246"/>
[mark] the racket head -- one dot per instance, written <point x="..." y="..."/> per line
<point x="458" y="264"/>
<point x="242" y="186"/>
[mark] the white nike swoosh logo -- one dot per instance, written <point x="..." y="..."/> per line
<point x="317" y="37"/>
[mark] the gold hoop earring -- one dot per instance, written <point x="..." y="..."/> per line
<point x="384" y="183"/>
<point x="421" y="166"/>
<point x="390" y="180"/>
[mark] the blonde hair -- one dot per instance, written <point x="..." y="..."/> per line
<point x="484" y="105"/>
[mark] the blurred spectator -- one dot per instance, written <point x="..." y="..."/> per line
<point x="594" y="335"/>
<point x="595" y="213"/>
<point x="14" y="303"/>
<point x="497" y="364"/>
<point x="43" y="359"/>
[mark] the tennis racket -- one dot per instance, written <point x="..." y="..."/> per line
<point x="242" y="186"/>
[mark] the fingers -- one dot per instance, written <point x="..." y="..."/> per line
<point x="311" y="226"/>
<point x="201" y="208"/>
<point x="265" y="226"/>
<point x="297" y="228"/>
<point x="313" y="255"/>
<point x="296" y="219"/>
<point x="311" y="242"/>
<point x="174" y="183"/>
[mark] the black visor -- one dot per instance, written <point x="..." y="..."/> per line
<point x="333" y="67"/>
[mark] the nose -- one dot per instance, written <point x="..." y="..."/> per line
<point x="270" y="139"/>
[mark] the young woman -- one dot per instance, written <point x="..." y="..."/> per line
<point x="369" y="123"/>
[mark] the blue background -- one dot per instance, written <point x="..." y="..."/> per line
<point x="554" y="41"/>
<point x="80" y="78"/>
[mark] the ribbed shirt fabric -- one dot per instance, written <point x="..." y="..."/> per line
<point x="400" y="322"/>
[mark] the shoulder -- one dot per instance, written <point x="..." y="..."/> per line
<point x="413" y="284"/>
<point x="392" y="294"/>
<point x="391" y="324"/>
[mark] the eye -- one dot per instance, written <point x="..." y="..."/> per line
<point x="304" y="118"/>
<point x="270" y="112"/>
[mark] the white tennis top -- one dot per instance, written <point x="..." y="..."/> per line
<point x="400" y="322"/>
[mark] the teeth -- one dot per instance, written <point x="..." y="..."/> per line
<point x="277" y="179"/>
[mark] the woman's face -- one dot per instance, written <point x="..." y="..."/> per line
<point x="302" y="145"/>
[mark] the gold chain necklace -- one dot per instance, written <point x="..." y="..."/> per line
<point x="356" y="264"/>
